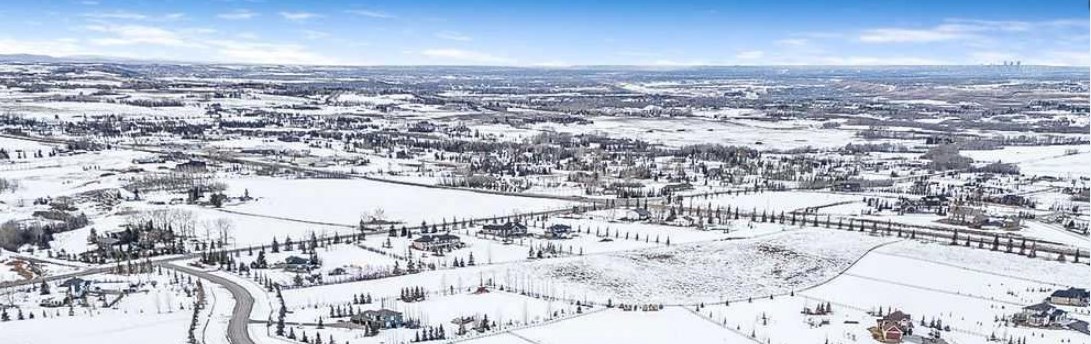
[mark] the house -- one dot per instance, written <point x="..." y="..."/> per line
<point x="461" y="321"/>
<point x="75" y="287"/>
<point x="559" y="231"/>
<point x="298" y="264"/>
<point x="637" y="214"/>
<point x="673" y="188"/>
<point x="53" y="301"/>
<point x="893" y="327"/>
<point x="438" y="242"/>
<point x="848" y="187"/>
<point x="384" y="317"/>
<point x="507" y="230"/>
<point x="150" y="160"/>
<point x="934" y="201"/>
<point x="265" y="150"/>
<point x="1012" y="199"/>
<point x="1069" y="297"/>
<point x="1078" y="326"/>
<point x="474" y="322"/>
<point x="1041" y="315"/>
<point x="968" y="216"/>
<point x="422" y="127"/>
<point x="192" y="166"/>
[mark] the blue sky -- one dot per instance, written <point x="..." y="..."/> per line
<point x="555" y="33"/>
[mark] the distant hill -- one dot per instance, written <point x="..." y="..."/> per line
<point x="32" y="58"/>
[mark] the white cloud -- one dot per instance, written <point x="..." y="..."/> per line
<point x="962" y="29"/>
<point x="116" y="15"/>
<point x="552" y="64"/>
<point x="298" y="16"/>
<point x="453" y="36"/>
<point x="314" y="34"/>
<point x="267" y="53"/>
<point x="126" y="15"/>
<point x="750" y="55"/>
<point x="793" y="42"/>
<point x="455" y="56"/>
<point x="137" y="34"/>
<point x="371" y="14"/>
<point x="242" y="14"/>
<point x="909" y="35"/>
<point x="199" y="30"/>
<point x="877" y="61"/>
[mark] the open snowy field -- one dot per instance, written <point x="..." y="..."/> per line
<point x="1040" y="160"/>
<point x="46" y="110"/>
<point x="121" y="309"/>
<point x="705" y="272"/>
<point x="969" y="297"/>
<point x="640" y="328"/>
<point x="688" y="131"/>
<point x="132" y="328"/>
<point x="347" y="201"/>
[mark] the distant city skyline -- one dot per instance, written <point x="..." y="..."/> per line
<point x="545" y="33"/>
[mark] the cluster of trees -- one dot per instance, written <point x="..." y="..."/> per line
<point x="8" y="185"/>
<point x="307" y="246"/>
<point x="361" y="299"/>
<point x="15" y="234"/>
<point x="316" y="339"/>
<point x="461" y="263"/>
<point x="5" y="316"/>
<point x="946" y="157"/>
<point x="195" y="184"/>
<point x="429" y="333"/>
<point x="21" y="154"/>
<point x="163" y="102"/>
<point x="413" y="294"/>
<point x="198" y="305"/>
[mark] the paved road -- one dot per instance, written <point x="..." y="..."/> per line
<point x="237" y="329"/>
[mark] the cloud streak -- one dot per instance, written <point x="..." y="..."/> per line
<point x="299" y="16"/>
<point x="372" y="14"/>
<point x="453" y="36"/>
<point x="458" y="56"/>
<point x="241" y="14"/>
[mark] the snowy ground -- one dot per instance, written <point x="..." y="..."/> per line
<point x="158" y="310"/>
<point x="1040" y="160"/>
<point x="346" y="201"/>
<point x="775" y="202"/>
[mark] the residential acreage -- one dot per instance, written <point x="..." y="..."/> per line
<point x="340" y="172"/>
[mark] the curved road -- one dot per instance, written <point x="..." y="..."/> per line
<point x="237" y="329"/>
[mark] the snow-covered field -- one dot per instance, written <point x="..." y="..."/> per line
<point x="640" y="328"/>
<point x="704" y="272"/>
<point x="156" y="308"/>
<point x="1055" y="161"/>
<point x="687" y="131"/>
<point x="348" y="201"/>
